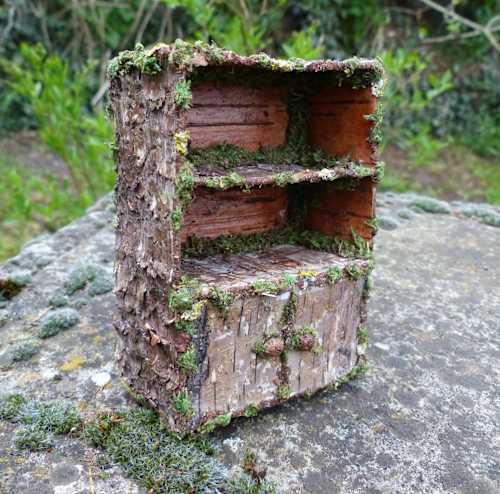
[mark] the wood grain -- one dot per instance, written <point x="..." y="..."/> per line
<point x="338" y="125"/>
<point x="246" y="117"/>
<point x="234" y="212"/>
<point x="337" y="212"/>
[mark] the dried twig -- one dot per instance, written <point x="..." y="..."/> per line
<point x="485" y="30"/>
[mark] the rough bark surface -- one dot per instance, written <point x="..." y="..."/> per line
<point x="148" y="251"/>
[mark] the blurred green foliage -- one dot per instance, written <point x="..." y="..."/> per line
<point x="442" y="90"/>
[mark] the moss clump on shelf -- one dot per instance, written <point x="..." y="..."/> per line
<point x="184" y="183"/>
<point x="333" y="274"/>
<point x="284" y="178"/>
<point x="229" y="181"/>
<point x="221" y="299"/>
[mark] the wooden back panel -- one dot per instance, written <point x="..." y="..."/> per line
<point x="335" y="212"/>
<point x="234" y="212"/>
<point x="338" y="125"/>
<point x="247" y="117"/>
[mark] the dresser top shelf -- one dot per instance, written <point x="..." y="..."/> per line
<point x="262" y="174"/>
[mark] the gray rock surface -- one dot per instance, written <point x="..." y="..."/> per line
<point x="423" y="420"/>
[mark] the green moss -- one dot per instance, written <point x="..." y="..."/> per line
<point x="229" y="181"/>
<point x="56" y="321"/>
<point x="137" y="59"/>
<point x="261" y="287"/>
<point x="80" y="276"/>
<point x="355" y="372"/>
<point x="103" y="283"/>
<point x="160" y="461"/>
<point x="58" y="300"/>
<point x="376" y="134"/>
<point x="283" y="179"/>
<point x="354" y="271"/>
<point x="380" y="171"/>
<point x="24" y="351"/>
<point x="187" y="361"/>
<point x="374" y="224"/>
<point x="10" y="287"/>
<point x="32" y="438"/>
<point x="182" y="404"/>
<point x="55" y="416"/>
<point x="184" y="183"/>
<point x="10" y="406"/>
<point x="181" y="140"/>
<point x="295" y="339"/>
<point x="221" y="299"/>
<point x="220" y="421"/>
<point x="233" y="244"/>
<point x="283" y="392"/>
<point x="245" y="484"/>
<point x="431" y="205"/>
<point x="183" y="96"/>
<point x="251" y="410"/>
<point x="333" y="274"/>
<point x="362" y="337"/>
<point x="176" y="219"/>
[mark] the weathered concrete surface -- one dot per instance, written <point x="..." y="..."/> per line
<point x="423" y="420"/>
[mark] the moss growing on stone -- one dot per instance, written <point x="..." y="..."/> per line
<point x="58" y="300"/>
<point x="10" y="406"/>
<point x="32" y="438"/>
<point x="354" y="271"/>
<point x="182" y="404"/>
<point x="181" y="140"/>
<point x="80" y="276"/>
<point x="220" y="421"/>
<point x="12" y="284"/>
<point x="430" y="205"/>
<point x="187" y="361"/>
<point x="56" y="321"/>
<point x="103" y="283"/>
<point x="183" y="96"/>
<point x="160" y="461"/>
<point x="24" y="351"/>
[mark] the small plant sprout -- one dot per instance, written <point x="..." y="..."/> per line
<point x="283" y="392"/>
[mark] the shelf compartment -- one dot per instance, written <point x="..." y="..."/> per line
<point x="237" y="272"/>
